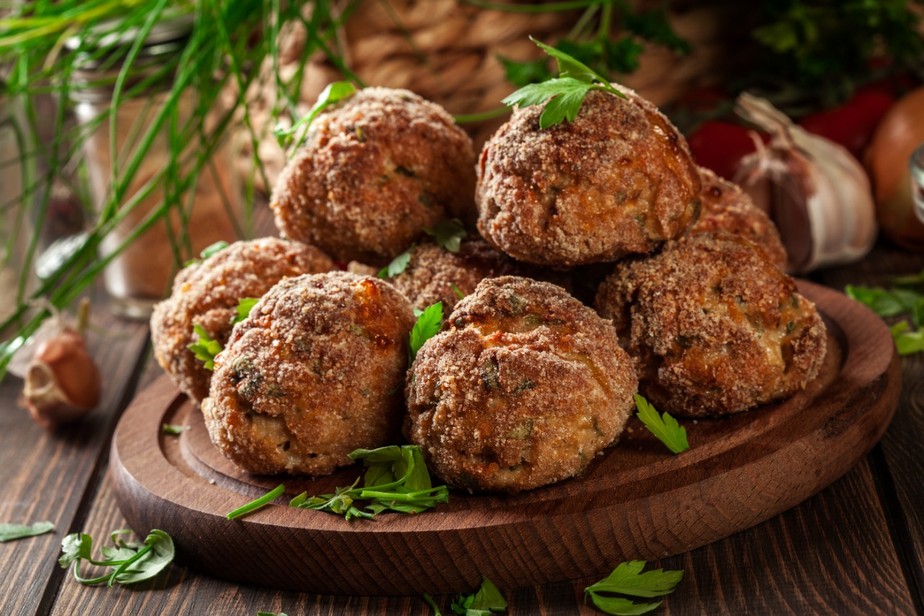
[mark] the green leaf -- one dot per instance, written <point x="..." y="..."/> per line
<point x="627" y="579"/>
<point x="885" y="303"/>
<point x="11" y="532"/>
<point x="75" y="547"/>
<point x="257" y="503"/>
<point x="397" y="265"/>
<point x="208" y="251"/>
<point x="448" y="234"/>
<point x="244" y="306"/>
<point x="569" y="66"/>
<point x="172" y="429"/>
<point x="157" y="553"/>
<point x="206" y="348"/>
<point x="485" y="601"/>
<point x="665" y="427"/>
<point x="907" y="341"/>
<point x="332" y="94"/>
<point x="427" y="326"/>
<point x="131" y="562"/>
<point x="524" y="73"/>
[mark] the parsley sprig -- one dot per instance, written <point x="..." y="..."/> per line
<point x="130" y="561"/>
<point x="332" y="94"/>
<point x="427" y="325"/>
<point x="610" y="594"/>
<point x="205" y="348"/>
<point x="396" y="479"/>
<point x="487" y="600"/>
<point x="563" y="95"/>
<point x="902" y="300"/>
<point x="663" y="426"/>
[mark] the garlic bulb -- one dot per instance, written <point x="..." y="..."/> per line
<point x="815" y="191"/>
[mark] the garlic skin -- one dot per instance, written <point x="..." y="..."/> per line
<point x="815" y="191"/>
<point x="62" y="382"/>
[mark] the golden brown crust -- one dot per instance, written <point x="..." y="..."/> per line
<point x="207" y="293"/>
<point x="374" y="171"/>
<point x="725" y="207"/>
<point x="313" y="373"/>
<point x="714" y="327"/>
<point x="618" y="180"/>
<point x="522" y="387"/>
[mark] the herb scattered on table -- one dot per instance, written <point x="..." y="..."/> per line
<point x="11" y="532"/>
<point x="563" y="95"/>
<point x="663" y="426"/>
<point x="427" y="326"/>
<point x="130" y="561"/>
<point x="448" y="234"/>
<point x="902" y="300"/>
<point x="485" y="601"/>
<point x="271" y="614"/>
<point x="610" y="595"/>
<point x="396" y="479"/>
<point x="172" y="429"/>
<point x="257" y="503"/>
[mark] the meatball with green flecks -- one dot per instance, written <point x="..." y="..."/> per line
<point x="523" y="387"/>
<point x="314" y="372"/>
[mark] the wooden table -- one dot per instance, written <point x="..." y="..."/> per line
<point x="855" y="548"/>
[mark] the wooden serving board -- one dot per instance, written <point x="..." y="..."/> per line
<point x="636" y="501"/>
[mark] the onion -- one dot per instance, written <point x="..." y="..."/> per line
<point x="898" y="134"/>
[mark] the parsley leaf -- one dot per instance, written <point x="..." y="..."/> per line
<point x="131" y="562"/>
<point x="330" y="95"/>
<point x="907" y="341"/>
<point x="397" y="265"/>
<point x="206" y="348"/>
<point x="10" y="532"/>
<point x="564" y="95"/>
<point x="665" y="427"/>
<point x="909" y="338"/>
<point x="244" y="306"/>
<point x="427" y="326"/>
<point x="628" y="579"/>
<point x="208" y="251"/>
<point x="448" y="234"/>
<point x="396" y="479"/>
<point x="485" y="601"/>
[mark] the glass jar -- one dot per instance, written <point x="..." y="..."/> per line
<point x="186" y="219"/>
<point x="916" y="172"/>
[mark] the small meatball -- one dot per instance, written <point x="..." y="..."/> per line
<point x="374" y="172"/>
<point x="616" y="181"/>
<point x="714" y="326"/>
<point x="725" y="207"/>
<point x="315" y="372"/>
<point x="435" y="274"/>
<point x="522" y="387"/>
<point x="207" y="293"/>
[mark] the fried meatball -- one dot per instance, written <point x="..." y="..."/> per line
<point x="207" y="293"/>
<point x="523" y="386"/>
<point x="618" y="180"/>
<point x="316" y="371"/>
<point x="435" y="274"/>
<point x="725" y="207"/>
<point x="374" y="171"/>
<point x="714" y="326"/>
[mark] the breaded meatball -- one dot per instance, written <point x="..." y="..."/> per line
<point x="618" y="180"/>
<point x="435" y="274"/>
<point x="374" y="171"/>
<point x="313" y="373"/>
<point x="725" y="207"/>
<point x="207" y="293"/>
<point x="714" y="326"/>
<point x="523" y="386"/>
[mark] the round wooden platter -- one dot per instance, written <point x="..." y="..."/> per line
<point x="637" y="501"/>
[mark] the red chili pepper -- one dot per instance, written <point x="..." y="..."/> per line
<point x="853" y="123"/>
<point x="720" y="146"/>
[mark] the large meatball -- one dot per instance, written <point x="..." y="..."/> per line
<point x="714" y="326"/>
<point x="315" y="372"/>
<point x="727" y="208"/>
<point x="373" y="173"/>
<point x="207" y="293"/>
<point x="617" y="180"/>
<point x="522" y="387"/>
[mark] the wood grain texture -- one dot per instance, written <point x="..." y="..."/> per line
<point x="636" y="502"/>
<point x="47" y="475"/>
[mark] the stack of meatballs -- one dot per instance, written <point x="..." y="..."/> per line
<point x="600" y="262"/>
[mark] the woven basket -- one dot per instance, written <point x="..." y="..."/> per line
<point x="447" y="51"/>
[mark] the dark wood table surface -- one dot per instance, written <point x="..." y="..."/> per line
<point x="857" y="547"/>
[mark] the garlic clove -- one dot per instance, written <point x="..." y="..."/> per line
<point x="62" y="382"/>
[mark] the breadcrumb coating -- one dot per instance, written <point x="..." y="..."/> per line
<point x="713" y="326"/>
<point x="725" y="207"/>
<point x="618" y="180"/>
<point x="522" y="387"/>
<point x="374" y="171"/>
<point x="207" y="293"/>
<point x="316" y="371"/>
